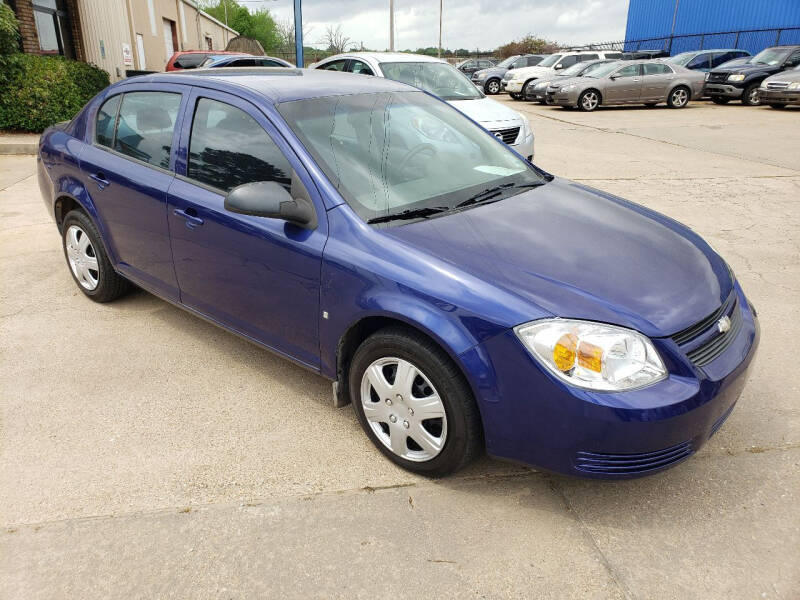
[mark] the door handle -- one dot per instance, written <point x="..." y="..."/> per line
<point x="100" y="179"/>
<point x="636" y="79"/>
<point x="190" y="214"/>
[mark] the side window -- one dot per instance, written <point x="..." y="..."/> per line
<point x="699" y="62"/>
<point x="242" y="62"/>
<point x="145" y="126"/>
<point x="656" y="69"/>
<point x="228" y="148"/>
<point x="106" y="118"/>
<point x="629" y="71"/>
<point x="483" y="64"/>
<point x="584" y="57"/>
<point x="359" y="67"/>
<point x="721" y="57"/>
<point x="568" y="61"/>
<point x="793" y="60"/>
<point x="265" y="62"/>
<point x="337" y="65"/>
<point x="519" y="63"/>
<point x="613" y="54"/>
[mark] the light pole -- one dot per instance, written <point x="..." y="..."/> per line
<point x="440" y="28"/>
<point x="298" y="34"/>
<point x="391" y="25"/>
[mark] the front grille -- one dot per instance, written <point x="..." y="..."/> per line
<point x="631" y="464"/>
<point x="777" y="85"/>
<point x="509" y="136"/>
<point x="691" y="332"/>
<point x="717" y="77"/>
<point x="707" y="352"/>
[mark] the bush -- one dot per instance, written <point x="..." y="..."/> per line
<point x="37" y="91"/>
<point x="9" y="30"/>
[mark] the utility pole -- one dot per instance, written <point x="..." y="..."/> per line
<point x="391" y="25"/>
<point x="298" y="34"/>
<point x="440" y="28"/>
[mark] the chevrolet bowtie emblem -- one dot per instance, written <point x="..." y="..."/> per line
<point x="724" y="324"/>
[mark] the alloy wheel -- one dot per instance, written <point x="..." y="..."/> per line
<point x="752" y="97"/>
<point x="82" y="258"/>
<point x="403" y="409"/>
<point x="493" y="87"/>
<point x="679" y="98"/>
<point x="590" y="101"/>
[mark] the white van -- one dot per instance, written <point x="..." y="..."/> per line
<point x="514" y="82"/>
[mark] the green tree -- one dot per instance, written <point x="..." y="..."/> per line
<point x="9" y="30"/>
<point x="258" y="25"/>
<point x="529" y="44"/>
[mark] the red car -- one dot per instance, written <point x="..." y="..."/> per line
<point x="191" y="59"/>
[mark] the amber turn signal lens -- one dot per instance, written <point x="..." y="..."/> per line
<point x="564" y="352"/>
<point x="590" y="357"/>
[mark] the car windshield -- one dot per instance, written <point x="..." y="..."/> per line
<point x="507" y="62"/>
<point x="549" y="61"/>
<point x="394" y="156"/>
<point x="440" y="79"/>
<point x="681" y="59"/>
<point x="601" y="69"/>
<point x="770" y="56"/>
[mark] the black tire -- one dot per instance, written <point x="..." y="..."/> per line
<point x="679" y="97"/>
<point x="492" y="87"/>
<point x="750" y="95"/>
<point x="527" y="89"/>
<point x="777" y="105"/>
<point x="720" y="100"/>
<point x="464" y="440"/>
<point x="583" y="100"/>
<point x="110" y="285"/>
<point x="514" y="96"/>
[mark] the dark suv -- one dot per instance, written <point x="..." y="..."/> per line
<point x="489" y="79"/>
<point x="469" y="66"/>
<point x="742" y="81"/>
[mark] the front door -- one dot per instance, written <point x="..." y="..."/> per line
<point x="128" y="168"/>
<point x="258" y="276"/>
<point x="624" y="86"/>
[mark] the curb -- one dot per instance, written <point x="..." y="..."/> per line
<point x="19" y="148"/>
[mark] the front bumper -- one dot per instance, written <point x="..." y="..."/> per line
<point x="525" y="147"/>
<point x="559" y="98"/>
<point x="722" y="89"/>
<point x="531" y="417"/>
<point x="779" y="96"/>
<point x="513" y="86"/>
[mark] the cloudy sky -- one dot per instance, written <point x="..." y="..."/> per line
<point x="469" y="24"/>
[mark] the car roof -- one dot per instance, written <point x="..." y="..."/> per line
<point x="381" y="57"/>
<point x="277" y="84"/>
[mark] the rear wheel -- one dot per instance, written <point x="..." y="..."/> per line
<point x="720" y="100"/>
<point x="750" y="95"/>
<point x="679" y="97"/>
<point x="492" y="87"/>
<point x="88" y="261"/>
<point x="589" y="100"/>
<point x="414" y="403"/>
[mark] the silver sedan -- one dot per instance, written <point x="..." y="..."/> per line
<point x="645" y="82"/>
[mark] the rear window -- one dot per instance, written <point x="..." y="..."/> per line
<point x="189" y="61"/>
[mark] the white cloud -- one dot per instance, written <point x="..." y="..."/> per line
<point x="471" y="24"/>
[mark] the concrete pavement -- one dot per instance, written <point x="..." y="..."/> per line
<point x="146" y="453"/>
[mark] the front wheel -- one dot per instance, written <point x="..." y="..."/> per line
<point x="414" y="403"/>
<point x="87" y="259"/>
<point x="678" y="98"/>
<point x="750" y="95"/>
<point x="492" y="87"/>
<point x="514" y="96"/>
<point x="589" y="100"/>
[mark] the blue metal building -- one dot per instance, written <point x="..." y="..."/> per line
<point x="680" y="25"/>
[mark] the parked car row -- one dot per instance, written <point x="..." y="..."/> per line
<point x="587" y="80"/>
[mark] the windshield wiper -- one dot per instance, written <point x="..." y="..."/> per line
<point x="493" y="192"/>
<point x="414" y="213"/>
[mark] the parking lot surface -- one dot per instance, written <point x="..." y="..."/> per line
<point x="145" y="453"/>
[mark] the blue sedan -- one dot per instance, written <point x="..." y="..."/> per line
<point x="460" y="297"/>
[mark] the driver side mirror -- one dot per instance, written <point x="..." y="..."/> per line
<point x="614" y="77"/>
<point x="269" y="199"/>
<point x="558" y="66"/>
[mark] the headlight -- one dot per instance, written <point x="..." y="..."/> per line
<point x="794" y="86"/>
<point x="567" y="88"/>
<point x="736" y="77"/>
<point x="593" y="355"/>
<point x="480" y="76"/>
<point x="516" y="76"/>
<point x="542" y="85"/>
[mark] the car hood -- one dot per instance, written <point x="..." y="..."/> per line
<point x="486" y="110"/>
<point x="578" y="252"/>
<point x="747" y="68"/>
<point x="560" y="82"/>
<point x="492" y="72"/>
<point x="790" y="76"/>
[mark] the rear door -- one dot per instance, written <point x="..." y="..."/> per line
<point x="129" y="165"/>
<point x="258" y="276"/>
<point x="624" y="86"/>
<point x="656" y="80"/>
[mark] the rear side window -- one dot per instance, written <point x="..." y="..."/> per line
<point x="337" y="65"/>
<point x="228" y="148"/>
<point x="656" y="69"/>
<point x="106" y="118"/>
<point x="361" y="68"/>
<point x="145" y="126"/>
<point x="584" y="57"/>
<point x="613" y="54"/>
